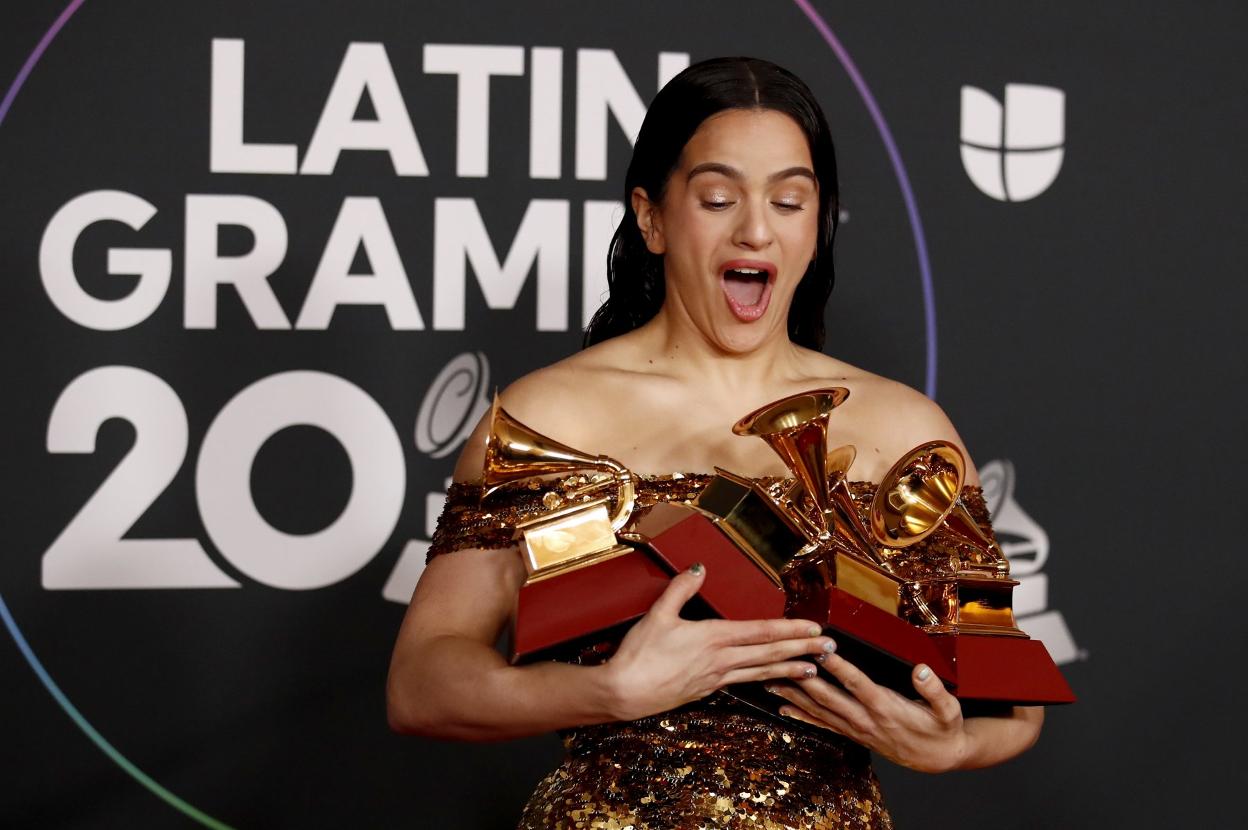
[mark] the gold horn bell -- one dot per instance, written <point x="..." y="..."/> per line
<point x="576" y="530"/>
<point x="922" y="492"/>
<point x="796" y="428"/>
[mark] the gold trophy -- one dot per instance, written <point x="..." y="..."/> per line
<point x="576" y="531"/>
<point x="921" y="493"/>
<point x="995" y="662"/>
<point x="819" y="501"/>
<point x="887" y="619"/>
<point x="583" y="578"/>
<point x="838" y="577"/>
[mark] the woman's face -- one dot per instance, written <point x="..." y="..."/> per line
<point x="737" y="226"/>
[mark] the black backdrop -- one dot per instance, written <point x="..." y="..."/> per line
<point x="1081" y="334"/>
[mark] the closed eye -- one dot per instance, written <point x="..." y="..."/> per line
<point x="717" y="205"/>
<point x="788" y="206"/>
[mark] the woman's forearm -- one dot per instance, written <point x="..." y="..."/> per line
<point x="457" y="688"/>
<point x="992" y="740"/>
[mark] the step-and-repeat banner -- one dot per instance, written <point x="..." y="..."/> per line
<point x="263" y="264"/>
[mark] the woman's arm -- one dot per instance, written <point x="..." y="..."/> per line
<point x="447" y="681"/>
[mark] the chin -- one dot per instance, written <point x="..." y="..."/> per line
<point x="746" y="339"/>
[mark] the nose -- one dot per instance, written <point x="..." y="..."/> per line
<point x="753" y="230"/>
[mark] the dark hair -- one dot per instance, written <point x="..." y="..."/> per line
<point x="634" y="275"/>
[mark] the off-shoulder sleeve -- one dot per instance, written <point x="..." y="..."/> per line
<point x="466" y="521"/>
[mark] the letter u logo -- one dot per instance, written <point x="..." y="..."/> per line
<point x="1013" y="152"/>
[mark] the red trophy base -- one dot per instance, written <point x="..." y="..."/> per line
<point x="735" y="588"/>
<point x="565" y="608"/>
<point x="974" y="667"/>
<point x="555" y="613"/>
<point x="1011" y="669"/>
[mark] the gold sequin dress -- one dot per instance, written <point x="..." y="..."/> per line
<point x="712" y="763"/>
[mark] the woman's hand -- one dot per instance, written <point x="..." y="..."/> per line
<point x="928" y="735"/>
<point x="665" y="660"/>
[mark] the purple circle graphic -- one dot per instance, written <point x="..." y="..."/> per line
<point x="907" y="193"/>
<point x="930" y="374"/>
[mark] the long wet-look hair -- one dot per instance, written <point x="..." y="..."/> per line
<point x="634" y="275"/>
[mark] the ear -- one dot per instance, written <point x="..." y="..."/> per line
<point x="649" y="221"/>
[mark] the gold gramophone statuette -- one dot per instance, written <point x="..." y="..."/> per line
<point x="818" y="504"/>
<point x="919" y="494"/>
<point x="576" y="530"/>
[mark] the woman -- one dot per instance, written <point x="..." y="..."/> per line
<point x="720" y="272"/>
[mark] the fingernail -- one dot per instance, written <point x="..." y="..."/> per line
<point x="819" y="658"/>
<point x="814" y="631"/>
<point x="771" y="689"/>
<point x="696" y="569"/>
<point x="810" y="671"/>
<point x="924" y="673"/>
<point x="829" y="646"/>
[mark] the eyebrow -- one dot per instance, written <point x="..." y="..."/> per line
<point x="734" y="173"/>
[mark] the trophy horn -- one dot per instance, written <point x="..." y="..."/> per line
<point x="921" y="491"/>
<point x="514" y="451"/>
<point x="838" y="464"/>
<point x="796" y="428"/>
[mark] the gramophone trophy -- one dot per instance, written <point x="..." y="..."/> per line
<point x="582" y="579"/>
<point x="957" y="620"/>
<point x="972" y="600"/>
<point x="576" y="530"/>
<point x="839" y="578"/>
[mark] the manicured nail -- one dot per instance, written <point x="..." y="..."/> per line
<point x="696" y="569"/>
<point x="771" y="689"/>
<point x="924" y="673"/>
<point x="829" y="646"/>
<point x="819" y="658"/>
<point x="811" y="671"/>
<point x="814" y="631"/>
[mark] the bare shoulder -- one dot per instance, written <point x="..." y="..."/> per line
<point x="890" y="418"/>
<point x="560" y="401"/>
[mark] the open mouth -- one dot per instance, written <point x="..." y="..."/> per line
<point x="747" y="291"/>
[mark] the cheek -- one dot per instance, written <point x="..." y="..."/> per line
<point x="799" y="249"/>
<point x="695" y="246"/>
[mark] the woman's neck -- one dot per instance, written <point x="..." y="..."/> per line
<point x="686" y="352"/>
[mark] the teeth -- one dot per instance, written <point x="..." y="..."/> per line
<point x="747" y="270"/>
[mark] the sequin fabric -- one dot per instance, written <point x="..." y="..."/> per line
<point x="712" y="763"/>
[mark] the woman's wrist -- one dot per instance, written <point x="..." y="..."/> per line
<point x="609" y="693"/>
<point x="963" y="749"/>
<point x="991" y="740"/>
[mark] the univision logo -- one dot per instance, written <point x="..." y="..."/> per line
<point x="1013" y="152"/>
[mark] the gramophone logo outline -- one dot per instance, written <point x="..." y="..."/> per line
<point x="1013" y="151"/>
<point x="1026" y="545"/>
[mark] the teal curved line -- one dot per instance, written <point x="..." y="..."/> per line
<point x="46" y="679"/>
<point x="91" y="732"/>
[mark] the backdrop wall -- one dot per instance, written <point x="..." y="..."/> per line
<point x="262" y="263"/>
